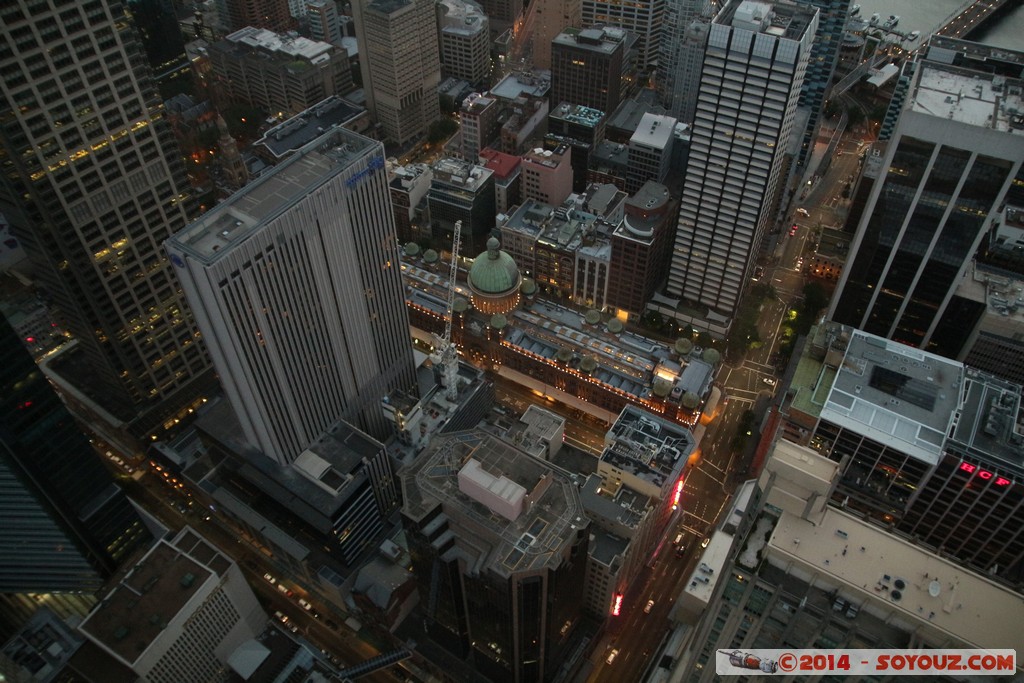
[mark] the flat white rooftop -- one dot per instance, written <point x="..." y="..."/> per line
<point x="970" y="97"/>
<point x="654" y="131"/>
<point x="899" y="576"/>
<point x="288" y="45"/>
<point x="895" y="394"/>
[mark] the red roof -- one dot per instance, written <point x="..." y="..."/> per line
<point x="502" y="164"/>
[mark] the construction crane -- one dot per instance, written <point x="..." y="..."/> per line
<point x="446" y="353"/>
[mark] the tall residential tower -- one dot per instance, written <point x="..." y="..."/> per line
<point x="295" y="284"/>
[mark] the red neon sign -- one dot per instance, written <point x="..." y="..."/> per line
<point x="678" y="494"/>
<point x="617" y="605"/>
<point x="984" y="474"/>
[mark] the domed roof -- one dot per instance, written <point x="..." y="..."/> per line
<point x="494" y="271"/>
<point x="430" y="256"/>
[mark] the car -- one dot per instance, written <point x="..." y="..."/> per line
<point x="270" y="579"/>
<point x="792" y="230"/>
<point x="769" y="381"/>
<point x="281" y="617"/>
<point x="803" y="212"/>
<point x="305" y="604"/>
<point x="681" y="551"/>
<point x="648" y="606"/>
<point x="611" y="656"/>
<point x="679" y="539"/>
<point x="284" y="589"/>
<point x="704" y="543"/>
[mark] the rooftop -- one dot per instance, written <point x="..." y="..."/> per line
<point x="521" y="83"/>
<point x="502" y="164"/>
<point x="989" y="424"/>
<point x="654" y="131"/>
<point x="577" y="113"/>
<point x="604" y="40"/>
<point x="288" y="46"/>
<point x="772" y="17"/>
<point x="709" y="570"/>
<point x="896" y="575"/>
<point x="307" y="126"/>
<point x="146" y="599"/>
<point x="536" y="429"/>
<point x="463" y="17"/>
<point x="969" y="96"/>
<point x="532" y="540"/>
<point x="894" y="393"/>
<point x="623" y="505"/>
<point x="651" y="448"/>
<point x="266" y="198"/>
<point x="629" y="113"/>
<point x="460" y="174"/>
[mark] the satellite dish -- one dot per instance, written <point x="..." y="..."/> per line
<point x="934" y="588"/>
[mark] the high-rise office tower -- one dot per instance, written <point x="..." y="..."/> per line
<point x="754" y="67"/>
<point x="595" y="67"/>
<point x="92" y="184"/>
<point x="465" y="42"/>
<point x="641" y="19"/>
<point x="296" y="286"/>
<point x="684" y="34"/>
<point x="832" y="16"/>
<point x="273" y="15"/>
<point x="66" y="524"/>
<point x="498" y="540"/>
<point x="954" y="155"/>
<point x="545" y="20"/>
<point x="400" y="63"/>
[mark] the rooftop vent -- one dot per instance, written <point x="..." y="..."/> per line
<point x="187" y="580"/>
<point x="896" y="596"/>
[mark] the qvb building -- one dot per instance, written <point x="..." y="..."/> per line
<point x="955" y="154"/>
<point x="93" y="184"/>
<point x="67" y="525"/>
<point x="498" y="540"/>
<point x="753" y="70"/>
<point x="295" y="282"/>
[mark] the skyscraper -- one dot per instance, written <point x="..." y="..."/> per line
<point x="67" y="525"/>
<point x="92" y="184"/>
<point x="954" y="154"/>
<point x="545" y="20"/>
<point x="594" y="67"/>
<point x="498" y="540"/>
<point x="684" y="34"/>
<point x="295" y="283"/>
<point x="754" y="67"/>
<point x="641" y="19"/>
<point x="832" y="18"/>
<point x="400" y="63"/>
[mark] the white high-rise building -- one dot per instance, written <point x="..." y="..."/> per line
<point x="295" y="284"/>
<point x="754" y="67"/>
<point x="400" y="63"/>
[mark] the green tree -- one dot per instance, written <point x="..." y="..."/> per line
<point x="441" y="130"/>
<point x="854" y="115"/>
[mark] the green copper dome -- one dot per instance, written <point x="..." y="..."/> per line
<point x="494" y="271"/>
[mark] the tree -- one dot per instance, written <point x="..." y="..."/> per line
<point x="652" y="320"/>
<point x="854" y="115"/>
<point x="441" y="130"/>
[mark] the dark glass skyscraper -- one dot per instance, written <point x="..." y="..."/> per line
<point x="92" y="183"/>
<point x="66" y="524"/>
<point x="955" y="151"/>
